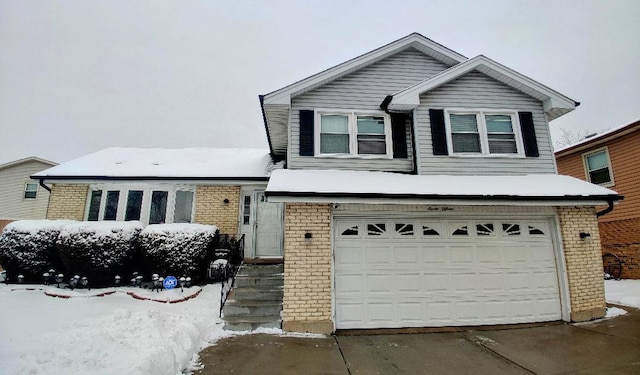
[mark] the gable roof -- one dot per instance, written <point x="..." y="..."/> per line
<point x="554" y="103"/>
<point x="26" y="160"/>
<point x="414" y="40"/>
<point x="275" y="105"/>
<point x="140" y="164"/>
<point x="598" y="139"/>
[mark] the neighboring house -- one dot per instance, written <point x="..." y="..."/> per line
<point x="419" y="189"/>
<point x="20" y="196"/>
<point x="612" y="159"/>
<point x="224" y="187"/>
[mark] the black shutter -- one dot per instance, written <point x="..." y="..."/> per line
<point x="528" y="134"/>
<point x="399" y="123"/>
<point x="438" y="132"/>
<point x="306" y="132"/>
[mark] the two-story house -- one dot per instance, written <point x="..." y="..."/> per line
<point x="421" y="190"/>
<point x="612" y="159"/>
<point x="407" y="187"/>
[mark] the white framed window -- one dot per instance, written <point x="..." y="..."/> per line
<point x="483" y="133"/>
<point x="148" y="204"/>
<point x="597" y="166"/>
<point x="364" y="134"/>
<point x="30" y="190"/>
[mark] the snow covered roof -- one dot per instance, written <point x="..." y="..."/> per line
<point x="330" y="185"/>
<point x="26" y="160"/>
<point x="118" y="163"/>
<point x="600" y="138"/>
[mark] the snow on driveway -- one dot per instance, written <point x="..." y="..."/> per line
<point x="115" y="334"/>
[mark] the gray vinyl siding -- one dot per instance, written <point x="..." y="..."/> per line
<point x="362" y="90"/>
<point x="13" y="205"/>
<point x="478" y="91"/>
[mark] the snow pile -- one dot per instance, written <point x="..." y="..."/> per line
<point x="178" y="249"/>
<point x="612" y="312"/>
<point x="623" y="292"/>
<point x="28" y="247"/>
<point x="116" y="334"/>
<point x="100" y="250"/>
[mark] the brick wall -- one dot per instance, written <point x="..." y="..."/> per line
<point x="583" y="261"/>
<point x="622" y="238"/>
<point x="307" y="288"/>
<point x="67" y="202"/>
<point x="211" y="209"/>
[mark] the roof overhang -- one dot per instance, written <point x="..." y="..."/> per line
<point x="554" y="103"/>
<point x="276" y="105"/>
<point x="27" y="160"/>
<point x="599" y="139"/>
<point x="330" y="186"/>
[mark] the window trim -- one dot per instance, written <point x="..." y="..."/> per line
<point x="483" y="133"/>
<point x="585" y="164"/>
<point x="146" y="200"/>
<point x="26" y="187"/>
<point x="353" y="133"/>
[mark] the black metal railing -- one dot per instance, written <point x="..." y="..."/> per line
<point x="230" y="247"/>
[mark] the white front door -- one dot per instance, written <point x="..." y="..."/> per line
<point x="268" y="227"/>
<point x="392" y="273"/>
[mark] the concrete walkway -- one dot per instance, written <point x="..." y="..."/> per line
<point x="606" y="346"/>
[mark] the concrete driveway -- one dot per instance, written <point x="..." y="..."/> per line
<point x="606" y="346"/>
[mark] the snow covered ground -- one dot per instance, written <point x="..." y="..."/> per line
<point x="120" y="334"/>
<point x="114" y="334"/>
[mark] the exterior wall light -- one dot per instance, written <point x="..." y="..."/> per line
<point x="226" y="201"/>
<point x="308" y="236"/>
<point x="584" y="236"/>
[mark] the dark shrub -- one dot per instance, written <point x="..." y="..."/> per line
<point x="100" y="250"/>
<point x="28" y="247"/>
<point x="178" y="249"/>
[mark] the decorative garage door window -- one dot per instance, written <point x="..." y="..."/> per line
<point x="485" y="229"/>
<point x="404" y="229"/>
<point x="377" y="229"/>
<point x="511" y="229"/>
<point x="407" y="229"/>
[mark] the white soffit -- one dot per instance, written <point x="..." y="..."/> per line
<point x="555" y="104"/>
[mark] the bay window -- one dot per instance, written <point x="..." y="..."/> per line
<point x="357" y="134"/>
<point x="483" y="132"/>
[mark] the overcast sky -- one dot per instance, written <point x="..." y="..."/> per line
<point x="79" y="76"/>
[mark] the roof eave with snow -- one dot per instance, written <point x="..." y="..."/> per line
<point x="384" y="187"/>
<point x="599" y="139"/>
<point x="554" y="103"/>
<point x="276" y="105"/>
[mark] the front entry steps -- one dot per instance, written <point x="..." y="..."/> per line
<point x="256" y="298"/>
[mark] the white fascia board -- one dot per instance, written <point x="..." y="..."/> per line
<point x="149" y="182"/>
<point x="283" y="95"/>
<point x="411" y="95"/>
<point x="435" y="202"/>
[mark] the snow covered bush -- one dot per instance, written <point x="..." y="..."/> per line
<point x="28" y="247"/>
<point x="100" y="250"/>
<point x="178" y="249"/>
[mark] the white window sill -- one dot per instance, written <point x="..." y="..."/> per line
<point x="349" y="156"/>
<point x="488" y="156"/>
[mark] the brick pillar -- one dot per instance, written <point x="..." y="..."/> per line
<point x="212" y="209"/>
<point x="307" y="268"/>
<point x="67" y="202"/>
<point x="584" y="262"/>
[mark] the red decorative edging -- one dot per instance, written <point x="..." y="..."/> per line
<point x="50" y="294"/>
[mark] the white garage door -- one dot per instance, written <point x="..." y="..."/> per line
<point x="392" y="273"/>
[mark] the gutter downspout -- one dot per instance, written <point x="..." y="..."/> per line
<point x="385" y="107"/>
<point x="41" y="183"/>
<point x="606" y="210"/>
